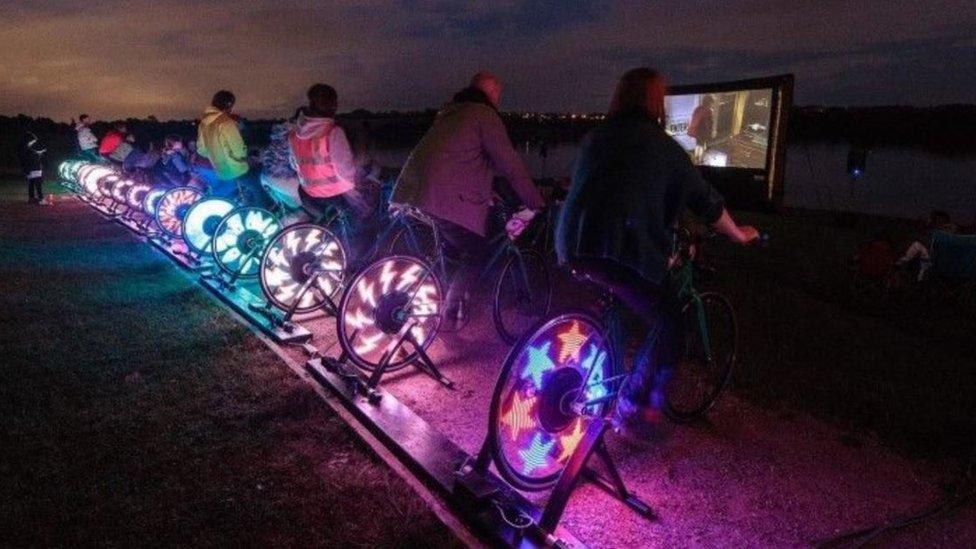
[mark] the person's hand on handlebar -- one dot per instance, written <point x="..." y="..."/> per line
<point x="518" y="222"/>
<point x="740" y="234"/>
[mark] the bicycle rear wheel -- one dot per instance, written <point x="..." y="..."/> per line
<point x="523" y="294"/>
<point x="711" y="336"/>
<point x="533" y="424"/>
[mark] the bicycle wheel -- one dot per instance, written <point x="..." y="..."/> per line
<point x="240" y="239"/>
<point x="385" y="302"/>
<point x="298" y="253"/>
<point x="172" y="208"/>
<point x="523" y="294"/>
<point x="711" y="337"/>
<point x="534" y="421"/>
<point x="416" y="237"/>
<point x="201" y="223"/>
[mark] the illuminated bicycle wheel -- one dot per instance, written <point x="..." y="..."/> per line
<point x="173" y="207"/>
<point x="556" y="368"/>
<point x="88" y="178"/>
<point x="120" y="191"/>
<point x="201" y="222"/>
<point x="240" y="239"/>
<point x="382" y="303"/>
<point x="295" y="256"/>
<point x="151" y="200"/>
<point x="136" y="195"/>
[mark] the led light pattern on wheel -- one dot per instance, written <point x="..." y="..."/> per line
<point x="173" y="207"/>
<point x="151" y="200"/>
<point x="303" y="256"/>
<point x="136" y="194"/>
<point x="120" y="191"/>
<point x="90" y="175"/>
<point x="240" y="239"/>
<point x="559" y="368"/>
<point x="384" y="302"/>
<point x="201" y="222"/>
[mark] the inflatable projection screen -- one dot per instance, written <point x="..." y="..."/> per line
<point x="736" y="133"/>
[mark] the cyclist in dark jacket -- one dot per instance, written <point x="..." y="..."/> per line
<point x="631" y="185"/>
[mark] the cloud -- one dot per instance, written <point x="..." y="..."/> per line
<point x="166" y="58"/>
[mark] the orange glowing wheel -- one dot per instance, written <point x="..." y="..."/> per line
<point x="173" y="207"/>
<point x="553" y="383"/>
<point x="390" y="308"/>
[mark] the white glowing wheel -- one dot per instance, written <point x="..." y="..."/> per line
<point x="136" y="194"/>
<point x="201" y="222"/>
<point x="151" y="200"/>
<point x="173" y="207"/>
<point x="387" y="300"/>
<point x="240" y="239"/>
<point x="120" y="191"/>
<point x="302" y="254"/>
<point x="89" y="176"/>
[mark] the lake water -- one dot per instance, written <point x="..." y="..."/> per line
<point x="900" y="183"/>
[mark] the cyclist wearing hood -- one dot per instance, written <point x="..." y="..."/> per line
<point x="219" y="140"/>
<point x="320" y="154"/>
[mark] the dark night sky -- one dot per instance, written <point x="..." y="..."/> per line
<point x="164" y="57"/>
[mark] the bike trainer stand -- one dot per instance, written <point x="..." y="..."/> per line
<point x="367" y="385"/>
<point x="473" y="478"/>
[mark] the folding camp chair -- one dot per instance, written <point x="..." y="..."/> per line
<point x="954" y="267"/>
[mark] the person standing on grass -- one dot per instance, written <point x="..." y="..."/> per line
<point x="219" y="140"/>
<point x="631" y="185"/>
<point x="87" y="142"/>
<point x="32" y="164"/>
<point x="449" y="177"/>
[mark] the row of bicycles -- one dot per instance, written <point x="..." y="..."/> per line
<point x="563" y="370"/>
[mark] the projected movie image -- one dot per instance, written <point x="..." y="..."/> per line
<point x="726" y="129"/>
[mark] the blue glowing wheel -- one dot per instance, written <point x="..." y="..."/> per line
<point x="173" y="207"/>
<point x="240" y="238"/>
<point x="302" y="268"/>
<point x="151" y="200"/>
<point x="539" y="409"/>
<point x="384" y="303"/>
<point x="201" y="222"/>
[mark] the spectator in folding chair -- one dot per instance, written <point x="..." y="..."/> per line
<point x="954" y="267"/>
<point x="920" y="251"/>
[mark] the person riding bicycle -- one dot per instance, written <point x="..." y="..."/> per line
<point x="320" y="154"/>
<point x="219" y="140"/>
<point x="631" y="185"/>
<point x="449" y="176"/>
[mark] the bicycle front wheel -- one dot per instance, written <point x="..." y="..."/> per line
<point x="523" y="294"/>
<point x="711" y="336"/>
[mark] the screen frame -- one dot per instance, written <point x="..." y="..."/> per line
<point x="752" y="187"/>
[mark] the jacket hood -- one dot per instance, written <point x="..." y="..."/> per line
<point x="310" y="127"/>
<point x="211" y="115"/>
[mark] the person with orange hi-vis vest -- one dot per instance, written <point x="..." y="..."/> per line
<point x="320" y="153"/>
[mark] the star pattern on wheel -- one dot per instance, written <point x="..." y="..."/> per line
<point x="570" y="343"/>
<point x="569" y="441"/>
<point x="536" y="455"/>
<point x="519" y="417"/>
<point x="538" y="363"/>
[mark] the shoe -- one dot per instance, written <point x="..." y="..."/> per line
<point x="45" y="202"/>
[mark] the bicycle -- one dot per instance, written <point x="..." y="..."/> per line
<point x="569" y="368"/>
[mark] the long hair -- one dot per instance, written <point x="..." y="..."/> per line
<point x="640" y="91"/>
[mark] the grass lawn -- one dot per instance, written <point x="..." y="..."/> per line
<point x="136" y="412"/>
